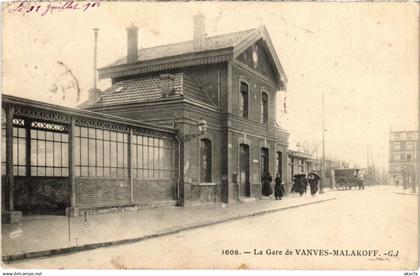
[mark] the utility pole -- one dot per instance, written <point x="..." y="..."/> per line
<point x="321" y="186"/>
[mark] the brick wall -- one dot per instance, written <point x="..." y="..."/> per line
<point x="102" y="192"/>
<point x="153" y="190"/>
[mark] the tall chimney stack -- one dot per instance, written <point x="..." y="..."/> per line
<point x="94" y="93"/>
<point x="132" y="47"/>
<point x="199" y="35"/>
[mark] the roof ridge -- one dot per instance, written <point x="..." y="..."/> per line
<point x="185" y="41"/>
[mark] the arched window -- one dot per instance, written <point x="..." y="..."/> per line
<point x="243" y="105"/>
<point x="264" y="108"/>
<point x="205" y="160"/>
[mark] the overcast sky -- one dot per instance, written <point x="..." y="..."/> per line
<point x="362" y="56"/>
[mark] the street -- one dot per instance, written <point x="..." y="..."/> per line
<point x="371" y="229"/>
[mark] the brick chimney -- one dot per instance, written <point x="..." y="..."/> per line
<point x="167" y="85"/>
<point x="132" y="41"/>
<point x="199" y="35"/>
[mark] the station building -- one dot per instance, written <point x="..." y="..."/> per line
<point x="186" y="123"/>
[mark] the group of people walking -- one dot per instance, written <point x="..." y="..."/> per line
<point x="267" y="189"/>
<point x="300" y="185"/>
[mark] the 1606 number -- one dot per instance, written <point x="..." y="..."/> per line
<point x="230" y="252"/>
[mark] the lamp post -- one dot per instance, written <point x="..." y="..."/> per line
<point x="321" y="184"/>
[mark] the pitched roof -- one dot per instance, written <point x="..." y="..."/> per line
<point x="211" y="43"/>
<point x="149" y="88"/>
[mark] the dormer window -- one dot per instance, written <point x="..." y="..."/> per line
<point x="243" y="109"/>
<point x="167" y="85"/>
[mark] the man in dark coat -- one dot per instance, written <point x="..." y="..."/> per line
<point x="278" y="188"/>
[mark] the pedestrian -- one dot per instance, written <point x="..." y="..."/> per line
<point x="266" y="184"/>
<point x="278" y="188"/>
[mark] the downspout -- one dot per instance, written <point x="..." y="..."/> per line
<point x="178" y="140"/>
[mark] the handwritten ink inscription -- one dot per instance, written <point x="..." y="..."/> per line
<point x="43" y="9"/>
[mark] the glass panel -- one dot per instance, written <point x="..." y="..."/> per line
<point x="151" y="155"/>
<point x="106" y="154"/>
<point x="77" y="131"/>
<point x="57" y="171"/>
<point x="65" y="137"/>
<point x="99" y="153"/>
<point x="49" y="136"/>
<point x="34" y="171"/>
<point x="145" y="157"/>
<point x="99" y="134"/>
<point x="92" y="152"/>
<point x="77" y="151"/>
<point x="119" y="137"/>
<point x="41" y="171"/>
<point x="92" y="171"/>
<point x="65" y="172"/>
<point x="57" y="154"/>
<point x="77" y="171"/>
<point x="84" y="171"/>
<point x="100" y="172"/>
<point x="22" y="132"/>
<point x="83" y="132"/>
<point x="113" y="172"/>
<point x="107" y="172"/>
<point x="22" y="170"/>
<point x="156" y="159"/>
<point x="34" y="152"/>
<point x="41" y="134"/>
<point x="50" y="154"/>
<point x="140" y="157"/>
<point x="41" y="153"/>
<point x="65" y="154"/>
<point x="57" y="136"/>
<point x="134" y="156"/>
<point x="125" y="147"/>
<point x="91" y="133"/>
<point x="120" y="155"/>
<point x="113" y="136"/>
<point x="106" y="135"/>
<point x="113" y="154"/>
<point x="15" y="151"/>
<point x="84" y="151"/>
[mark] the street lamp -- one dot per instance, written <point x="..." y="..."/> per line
<point x="202" y="128"/>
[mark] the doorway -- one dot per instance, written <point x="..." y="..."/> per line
<point x="244" y="171"/>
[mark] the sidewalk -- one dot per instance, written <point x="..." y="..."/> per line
<point x="49" y="235"/>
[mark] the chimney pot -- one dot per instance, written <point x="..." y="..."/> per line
<point x="199" y="35"/>
<point x="132" y="43"/>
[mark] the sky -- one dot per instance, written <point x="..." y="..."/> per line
<point x="363" y="57"/>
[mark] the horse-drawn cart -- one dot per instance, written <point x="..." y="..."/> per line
<point x="346" y="178"/>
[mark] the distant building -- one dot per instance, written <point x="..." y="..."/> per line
<point x="298" y="163"/>
<point x="403" y="157"/>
